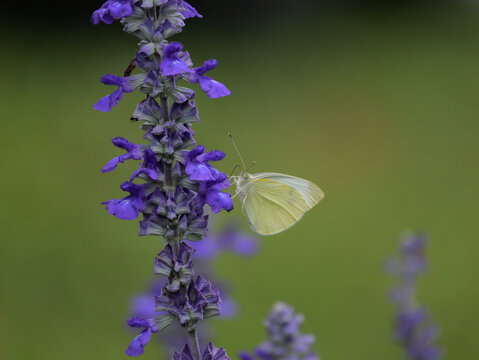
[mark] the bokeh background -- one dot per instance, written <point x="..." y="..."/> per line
<point x="376" y="102"/>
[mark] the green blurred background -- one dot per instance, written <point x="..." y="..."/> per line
<point x="377" y="104"/>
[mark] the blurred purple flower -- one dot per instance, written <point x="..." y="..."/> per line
<point x="413" y="329"/>
<point x="285" y="341"/>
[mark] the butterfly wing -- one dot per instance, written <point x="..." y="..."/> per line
<point x="311" y="193"/>
<point x="274" y="202"/>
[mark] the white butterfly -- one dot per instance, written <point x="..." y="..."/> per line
<point x="274" y="202"/>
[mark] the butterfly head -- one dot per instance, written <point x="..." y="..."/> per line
<point x="240" y="179"/>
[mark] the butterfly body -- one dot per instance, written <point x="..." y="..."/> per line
<point x="274" y="202"/>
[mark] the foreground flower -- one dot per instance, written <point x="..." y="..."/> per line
<point x="413" y="328"/>
<point x="285" y="341"/>
<point x="174" y="180"/>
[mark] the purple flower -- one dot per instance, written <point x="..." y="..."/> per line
<point x="213" y="353"/>
<point x="137" y="346"/>
<point x="211" y="181"/>
<point x="129" y="207"/>
<point x="413" y="329"/>
<point x="149" y="166"/>
<point x="197" y="166"/>
<point x="171" y="63"/>
<point x="133" y="152"/>
<point x="109" y="101"/>
<point x="214" y="197"/>
<point x="228" y="239"/>
<point x="189" y="11"/>
<point x="285" y="341"/>
<point x="210" y="353"/>
<point x="112" y="10"/>
<point x="199" y="302"/>
<point x="177" y="268"/>
<point x="143" y="305"/>
<point x="212" y="88"/>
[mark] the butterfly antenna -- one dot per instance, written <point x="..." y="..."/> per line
<point x="252" y="164"/>
<point x="237" y="151"/>
<point x="232" y="171"/>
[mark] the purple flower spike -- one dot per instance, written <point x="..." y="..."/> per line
<point x="133" y="152"/>
<point x="413" y="328"/>
<point x="109" y="101"/>
<point x="137" y="346"/>
<point x="127" y="208"/>
<point x="212" y="88"/>
<point x="112" y="10"/>
<point x="172" y="64"/>
<point x="285" y="341"/>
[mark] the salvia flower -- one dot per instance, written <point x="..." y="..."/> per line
<point x="285" y="341"/>
<point x="112" y="10"/>
<point x="133" y="152"/>
<point x="109" y="101"/>
<point x="129" y="207"/>
<point x="212" y="88"/>
<point x="413" y="328"/>
<point x="149" y="326"/>
<point x="172" y="64"/>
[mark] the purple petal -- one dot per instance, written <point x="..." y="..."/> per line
<point x="190" y="11"/>
<point x="219" y="200"/>
<point x="244" y="245"/>
<point x="199" y="172"/>
<point x="137" y="346"/>
<point x="121" y="8"/>
<point x="214" y="89"/>
<point x="111" y="165"/>
<point x="215" y="155"/>
<point x="123" y="209"/>
<point x="144" y="306"/>
<point x="108" y="102"/>
<point x="151" y="173"/>
<point x="228" y="306"/>
<point x="245" y="356"/>
<point x="208" y="65"/>
<point x="172" y="64"/>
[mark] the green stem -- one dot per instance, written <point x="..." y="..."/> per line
<point x="194" y="344"/>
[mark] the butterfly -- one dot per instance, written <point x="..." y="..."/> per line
<point x="274" y="202"/>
